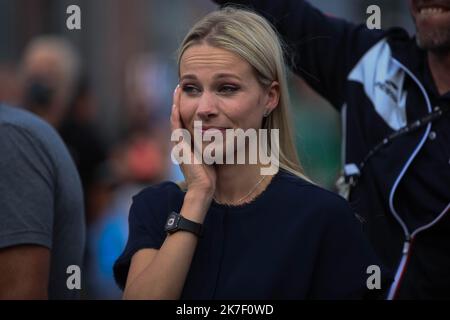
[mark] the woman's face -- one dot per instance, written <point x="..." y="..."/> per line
<point x="220" y="89"/>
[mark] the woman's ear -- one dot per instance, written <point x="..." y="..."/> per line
<point x="273" y="97"/>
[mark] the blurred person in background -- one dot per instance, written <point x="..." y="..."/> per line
<point x="54" y="89"/>
<point x="393" y="92"/>
<point x="49" y="72"/>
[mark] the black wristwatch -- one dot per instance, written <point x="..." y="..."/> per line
<point x="176" y="222"/>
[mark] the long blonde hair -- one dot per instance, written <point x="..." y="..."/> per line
<point x="250" y="36"/>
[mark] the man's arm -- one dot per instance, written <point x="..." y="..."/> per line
<point x="24" y="272"/>
<point x="322" y="49"/>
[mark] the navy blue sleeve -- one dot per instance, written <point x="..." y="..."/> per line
<point x="322" y="49"/>
<point x="341" y="270"/>
<point x="146" y="230"/>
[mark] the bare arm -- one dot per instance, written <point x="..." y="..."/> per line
<point x="24" y="272"/>
<point x="160" y="274"/>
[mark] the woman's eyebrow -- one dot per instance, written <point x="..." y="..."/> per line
<point x="188" y="77"/>
<point x="216" y="77"/>
<point x="227" y="75"/>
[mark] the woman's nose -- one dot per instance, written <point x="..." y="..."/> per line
<point x="207" y="107"/>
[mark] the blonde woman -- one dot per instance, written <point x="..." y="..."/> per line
<point x="234" y="233"/>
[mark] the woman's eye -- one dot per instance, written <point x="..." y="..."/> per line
<point x="191" y="90"/>
<point x="228" y="89"/>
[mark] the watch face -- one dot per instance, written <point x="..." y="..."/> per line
<point x="172" y="222"/>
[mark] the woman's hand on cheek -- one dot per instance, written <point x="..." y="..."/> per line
<point x="200" y="178"/>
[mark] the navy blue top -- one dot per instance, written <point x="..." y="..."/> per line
<point x="294" y="241"/>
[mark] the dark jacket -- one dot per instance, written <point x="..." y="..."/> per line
<point x="380" y="82"/>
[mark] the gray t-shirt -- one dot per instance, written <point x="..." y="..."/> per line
<point x="41" y="200"/>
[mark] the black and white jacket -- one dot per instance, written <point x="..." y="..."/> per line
<point x="380" y="82"/>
